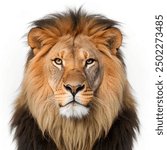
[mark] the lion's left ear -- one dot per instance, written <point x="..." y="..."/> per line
<point x="113" y="37"/>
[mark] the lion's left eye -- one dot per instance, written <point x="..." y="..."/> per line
<point x="90" y="61"/>
<point x="57" y="61"/>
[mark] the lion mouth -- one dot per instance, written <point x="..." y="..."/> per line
<point x="73" y="102"/>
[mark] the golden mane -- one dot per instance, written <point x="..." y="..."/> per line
<point x="112" y="97"/>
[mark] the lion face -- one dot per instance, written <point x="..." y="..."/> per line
<point x="74" y="74"/>
<point x="68" y="66"/>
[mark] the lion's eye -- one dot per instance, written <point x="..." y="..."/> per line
<point x="90" y="61"/>
<point x="57" y="61"/>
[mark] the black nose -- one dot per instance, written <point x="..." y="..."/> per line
<point x="74" y="89"/>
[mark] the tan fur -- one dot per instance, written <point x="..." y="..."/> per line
<point x="39" y="91"/>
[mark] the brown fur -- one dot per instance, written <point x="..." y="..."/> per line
<point x="74" y="37"/>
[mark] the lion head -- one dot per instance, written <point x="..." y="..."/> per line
<point x="75" y="83"/>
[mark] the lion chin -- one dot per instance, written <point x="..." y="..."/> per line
<point x="75" y="94"/>
<point x="74" y="110"/>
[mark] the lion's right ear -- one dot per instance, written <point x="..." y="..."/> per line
<point x="36" y="39"/>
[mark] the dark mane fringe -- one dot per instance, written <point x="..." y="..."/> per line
<point x="78" y="19"/>
<point x="27" y="132"/>
<point x="122" y="132"/>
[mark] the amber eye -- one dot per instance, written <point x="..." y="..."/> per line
<point x="57" y="61"/>
<point x="90" y="61"/>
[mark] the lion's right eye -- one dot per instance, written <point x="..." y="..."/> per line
<point x="57" y="61"/>
<point x="90" y="61"/>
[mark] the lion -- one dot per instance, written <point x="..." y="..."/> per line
<point x="75" y="94"/>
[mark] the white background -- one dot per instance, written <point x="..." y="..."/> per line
<point x="138" y="25"/>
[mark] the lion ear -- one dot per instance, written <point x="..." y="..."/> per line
<point x="114" y="39"/>
<point x="36" y="38"/>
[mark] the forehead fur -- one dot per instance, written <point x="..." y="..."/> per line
<point x="75" y="22"/>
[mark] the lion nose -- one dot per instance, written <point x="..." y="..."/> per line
<point x="74" y="89"/>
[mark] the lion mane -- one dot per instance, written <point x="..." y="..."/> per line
<point x="75" y="94"/>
